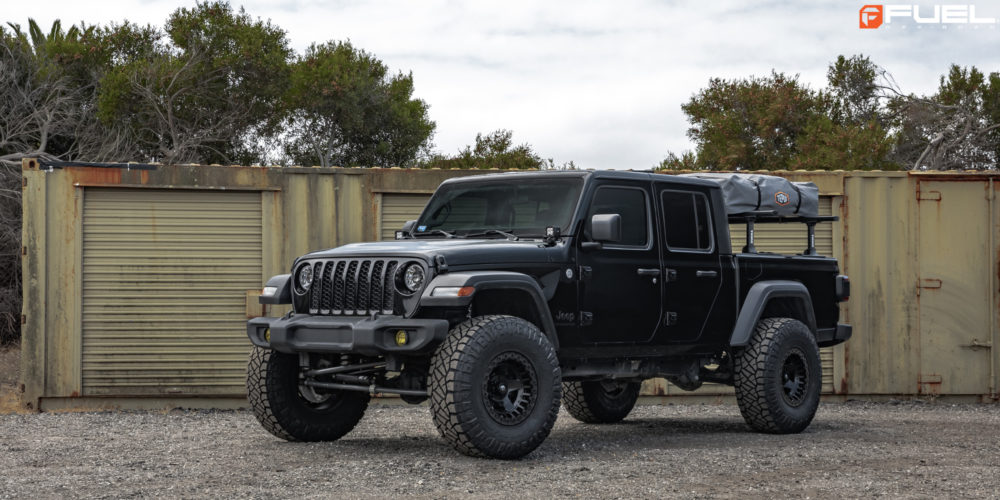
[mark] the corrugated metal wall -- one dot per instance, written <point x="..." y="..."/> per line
<point x="921" y="249"/>
<point x="165" y="274"/>
<point x="397" y="209"/>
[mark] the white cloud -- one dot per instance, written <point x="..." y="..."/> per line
<point x="599" y="83"/>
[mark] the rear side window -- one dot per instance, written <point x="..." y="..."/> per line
<point x="630" y="203"/>
<point x="686" y="221"/>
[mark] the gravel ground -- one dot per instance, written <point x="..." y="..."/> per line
<point x="851" y="450"/>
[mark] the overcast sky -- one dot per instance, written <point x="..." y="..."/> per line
<point x="599" y="83"/>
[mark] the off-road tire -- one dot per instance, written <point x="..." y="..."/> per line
<point x="770" y="400"/>
<point x="464" y="402"/>
<point x="273" y="392"/>
<point x="600" y="402"/>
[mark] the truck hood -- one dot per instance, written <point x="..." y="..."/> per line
<point x="457" y="252"/>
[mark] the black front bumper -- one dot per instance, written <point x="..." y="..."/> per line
<point x="361" y="335"/>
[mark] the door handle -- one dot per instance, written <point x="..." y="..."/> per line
<point x="706" y="274"/>
<point x="649" y="272"/>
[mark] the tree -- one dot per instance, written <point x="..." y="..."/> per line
<point x="210" y="95"/>
<point x="850" y="129"/>
<point x="48" y="95"/>
<point x="957" y="128"/>
<point x="853" y="91"/>
<point x="686" y="161"/>
<point x="749" y="124"/>
<point x="495" y="150"/>
<point x="775" y="123"/>
<point x="346" y="109"/>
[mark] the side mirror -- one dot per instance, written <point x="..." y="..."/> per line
<point x="606" y="228"/>
<point x="402" y="234"/>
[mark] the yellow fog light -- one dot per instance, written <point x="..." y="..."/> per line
<point x="267" y="335"/>
<point x="402" y="338"/>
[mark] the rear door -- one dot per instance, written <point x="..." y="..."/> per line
<point x="692" y="273"/>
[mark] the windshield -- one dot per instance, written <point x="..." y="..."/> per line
<point x="524" y="207"/>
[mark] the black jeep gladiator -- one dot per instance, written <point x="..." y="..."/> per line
<point x="514" y="292"/>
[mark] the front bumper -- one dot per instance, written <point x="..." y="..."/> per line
<point x="361" y="335"/>
<point x="827" y="337"/>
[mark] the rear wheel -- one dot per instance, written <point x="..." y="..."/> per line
<point x="293" y="411"/>
<point x="495" y="387"/>
<point x="778" y="377"/>
<point x="600" y="401"/>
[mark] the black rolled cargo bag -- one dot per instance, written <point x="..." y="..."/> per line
<point x="756" y="192"/>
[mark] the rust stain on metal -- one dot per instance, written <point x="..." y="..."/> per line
<point x="929" y="384"/>
<point x="997" y="267"/>
<point x="254" y="308"/>
<point x="930" y="283"/>
<point x="75" y="394"/>
<point x="93" y="175"/>
<point x="953" y="176"/>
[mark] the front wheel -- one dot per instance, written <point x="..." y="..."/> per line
<point x="778" y="377"/>
<point x="495" y="387"/>
<point x="293" y="411"/>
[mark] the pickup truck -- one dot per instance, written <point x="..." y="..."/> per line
<point x="514" y="293"/>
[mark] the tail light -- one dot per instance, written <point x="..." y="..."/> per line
<point x="843" y="288"/>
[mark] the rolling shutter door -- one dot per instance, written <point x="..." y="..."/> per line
<point x="165" y="275"/>
<point x="398" y="208"/>
<point x="791" y="239"/>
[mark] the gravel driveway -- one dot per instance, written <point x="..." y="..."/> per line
<point x="851" y="450"/>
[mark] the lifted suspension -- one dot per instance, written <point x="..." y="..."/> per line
<point x="351" y="378"/>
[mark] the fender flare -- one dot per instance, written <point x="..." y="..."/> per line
<point x="494" y="280"/>
<point x="757" y="298"/>
<point x="283" y="286"/>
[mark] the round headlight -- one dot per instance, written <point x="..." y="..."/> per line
<point x="305" y="277"/>
<point x="413" y="277"/>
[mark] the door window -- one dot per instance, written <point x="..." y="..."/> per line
<point x="630" y="204"/>
<point x="686" y="220"/>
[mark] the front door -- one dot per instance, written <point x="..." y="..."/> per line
<point x="621" y="287"/>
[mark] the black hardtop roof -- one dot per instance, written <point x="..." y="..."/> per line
<point x="596" y="174"/>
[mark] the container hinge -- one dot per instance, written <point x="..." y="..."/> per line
<point x="929" y="195"/>
<point x="928" y="283"/>
<point x="976" y="344"/>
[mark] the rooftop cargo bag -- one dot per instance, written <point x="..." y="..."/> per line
<point x="755" y="192"/>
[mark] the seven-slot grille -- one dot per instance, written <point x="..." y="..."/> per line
<point x="353" y="286"/>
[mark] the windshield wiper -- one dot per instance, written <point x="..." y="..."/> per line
<point x="435" y="231"/>
<point x="509" y="236"/>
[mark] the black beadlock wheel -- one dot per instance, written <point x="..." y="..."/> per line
<point x="495" y="387"/>
<point x="778" y="377"/>
<point x="292" y="411"/>
<point x="600" y="401"/>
